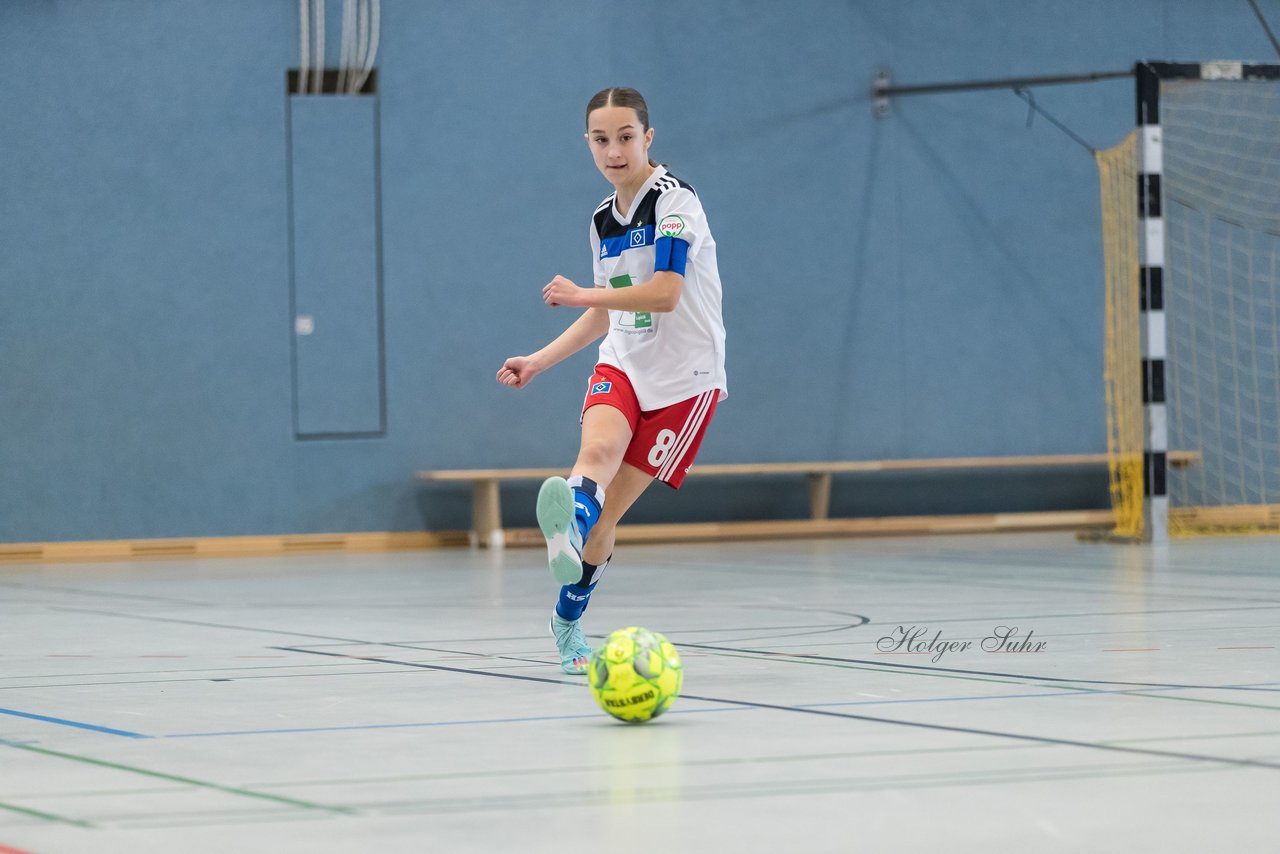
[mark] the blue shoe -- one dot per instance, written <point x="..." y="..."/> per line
<point x="574" y="652"/>
<point x="560" y="528"/>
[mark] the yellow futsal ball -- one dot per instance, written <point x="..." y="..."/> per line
<point x="635" y="675"/>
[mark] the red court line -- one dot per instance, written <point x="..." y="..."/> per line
<point x="1246" y="647"/>
<point x="5" y="849"/>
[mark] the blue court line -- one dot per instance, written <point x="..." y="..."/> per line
<point x="370" y="726"/>
<point x="77" y="724"/>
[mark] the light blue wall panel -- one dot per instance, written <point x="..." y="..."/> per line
<point x="338" y="373"/>
<point x="924" y="284"/>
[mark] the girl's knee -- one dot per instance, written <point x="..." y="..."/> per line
<point x="600" y="452"/>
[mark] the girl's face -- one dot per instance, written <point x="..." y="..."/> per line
<point x="619" y="145"/>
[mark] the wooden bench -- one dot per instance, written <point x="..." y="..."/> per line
<point x="486" y="504"/>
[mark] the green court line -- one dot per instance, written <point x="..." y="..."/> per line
<point x="737" y="760"/>
<point x="598" y="796"/>
<point x="160" y="775"/>
<point x="47" y="816"/>
<point x="145" y="817"/>
<point x="574" y="769"/>
<point x="933" y="779"/>
<point x="95" y="793"/>
<point x="721" y="791"/>
<point x="688" y="763"/>
<point x="1196" y="737"/>
<point x="1197" y="700"/>
<point x="220" y="822"/>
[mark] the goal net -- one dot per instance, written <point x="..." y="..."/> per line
<point x="1118" y="175"/>
<point x="1219" y="198"/>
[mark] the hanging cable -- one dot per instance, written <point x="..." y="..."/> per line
<point x="361" y="39"/>
<point x="346" y="58"/>
<point x="376" y="32"/>
<point x="1266" y="27"/>
<point x="371" y="55"/>
<point x="318" y="77"/>
<point x="343" y="46"/>
<point x="1033" y="108"/>
<point x="353" y="56"/>
<point x="304" y="37"/>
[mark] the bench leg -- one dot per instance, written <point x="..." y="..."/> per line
<point x="820" y="495"/>
<point x="486" y="515"/>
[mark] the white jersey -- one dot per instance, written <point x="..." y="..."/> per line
<point x="668" y="356"/>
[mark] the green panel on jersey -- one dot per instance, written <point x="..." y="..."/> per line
<point x="644" y="319"/>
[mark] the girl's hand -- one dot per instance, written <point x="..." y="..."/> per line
<point x="561" y="291"/>
<point x="518" y="371"/>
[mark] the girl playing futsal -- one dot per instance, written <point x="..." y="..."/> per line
<point x="660" y="372"/>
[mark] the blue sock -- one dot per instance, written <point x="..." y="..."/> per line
<point x="574" y="597"/>
<point x="588" y="499"/>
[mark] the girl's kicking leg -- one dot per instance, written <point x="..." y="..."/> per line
<point x="567" y="510"/>
<point x="625" y="487"/>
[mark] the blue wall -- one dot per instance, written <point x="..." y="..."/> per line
<point x="926" y="284"/>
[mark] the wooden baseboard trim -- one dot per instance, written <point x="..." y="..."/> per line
<point x="257" y="546"/>
<point x="1264" y="517"/>
<point x="678" y="532"/>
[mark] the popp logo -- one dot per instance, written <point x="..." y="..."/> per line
<point x="671" y="226"/>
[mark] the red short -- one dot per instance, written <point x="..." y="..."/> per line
<point x="664" y="441"/>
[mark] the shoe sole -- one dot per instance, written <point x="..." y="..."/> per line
<point x="555" y="515"/>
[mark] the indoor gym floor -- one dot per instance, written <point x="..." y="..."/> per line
<point x="410" y="702"/>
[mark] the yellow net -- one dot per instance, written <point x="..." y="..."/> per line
<point x="1118" y="175"/>
<point x="1224" y="472"/>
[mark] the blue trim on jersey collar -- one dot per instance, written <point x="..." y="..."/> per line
<point x="635" y="238"/>
<point x="671" y="253"/>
